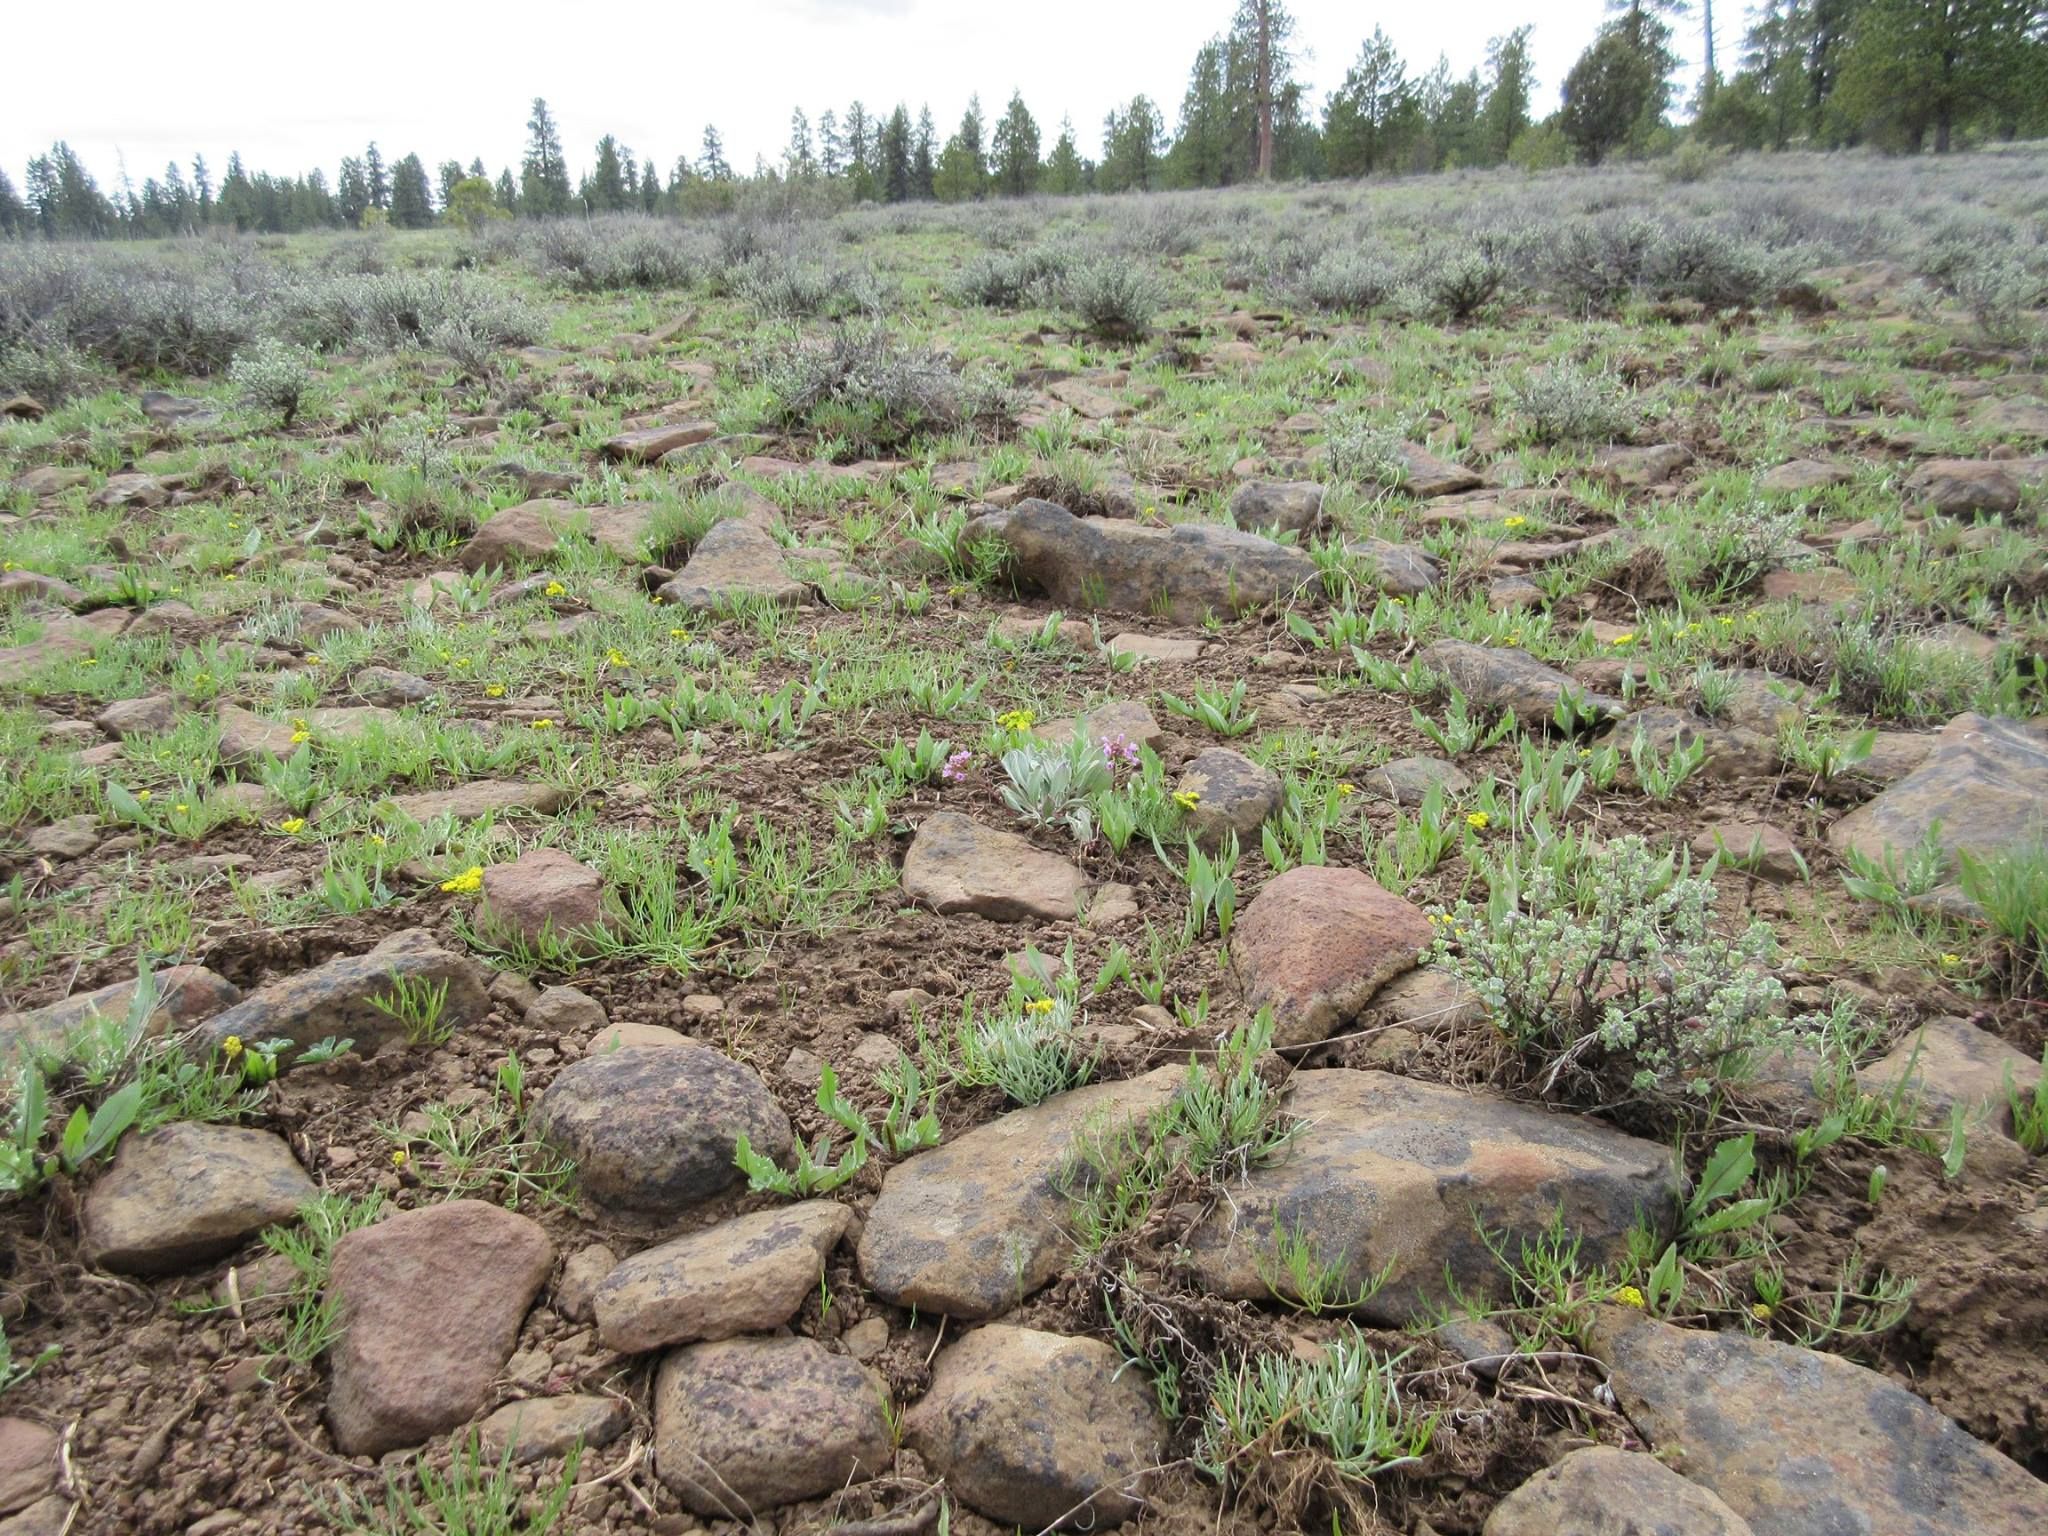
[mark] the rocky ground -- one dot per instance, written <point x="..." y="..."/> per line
<point x="643" y="960"/>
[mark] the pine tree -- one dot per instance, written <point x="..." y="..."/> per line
<point x="14" y="220"/>
<point x="1202" y="154"/>
<point x="923" y="158"/>
<point x="831" y="147"/>
<point x="1915" y="67"/>
<point x="1264" y="28"/>
<point x="446" y="177"/>
<point x="1620" y="86"/>
<point x="962" y="171"/>
<point x="412" y="203"/>
<point x="351" y="191"/>
<point x="202" y="188"/>
<point x="237" y="202"/>
<point x="711" y="163"/>
<point x="608" y="182"/>
<point x="1065" y="172"/>
<point x="1505" y="116"/>
<point x="1014" y="146"/>
<point x="1372" y="114"/>
<point x="799" y="160"/>
<point x="1133" y="142"/>
<point x="862" y="158"/>
<point x="892" y="155"/>
<point x="380" y="182"/>
<point x="507" y="191"/>
<point x="544" y="174"/>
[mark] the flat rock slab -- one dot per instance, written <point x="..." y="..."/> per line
<point x="1600" y="1491"/>
<point x="1128" y="720"/>
<point x="1408" y="780"/>
<point x="1500" y="677"/>
<point x="548" y="1426"/>
<point x="188" y="1193"/>
<point x="185" y="995"/>
<point x="1640" y="468"/>
<point x="28" y="1463"/>
<point x="1185" y="573"/>
<point x="1033" y="1429"/>
<point x="1317" y="942"/>
<point x="429" y="1305"/>
<point x="956" y="865"/>
<point x="1233" y="797"/>
<point x="1173" y="648"/>
<point x="138" y="717"/>
<point x="1429" y="476"/>
<point x="338" y="1000"/>
<point x="736" y="561"/>
<point x="1805" y="1444"/>
<point x="1401" y="569"/>
<point x="531" y="531"/>
<point x="1277" y="506"/>
<point x="747" y="1275"/>
<point x="480" y="797"/>
<point x="1966" y="487"/>
<point x="1802" y="476"/>
<point x="1733" y="751"/>
<point x="973" y="1227"/>
<point x="643" y="445"/>
<point x="1949" y="1062"/>
<point x="1984" y="780"/>
<point x="653" y="1128"/>
<point x="1395" y="1171"/>
<point x="248" y="738"/>
<point x="745" y="1425"/>
<point x="544" y="896"/>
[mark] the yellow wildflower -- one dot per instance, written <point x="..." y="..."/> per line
<point x="1514" y="522"/>
<point x="181" y="808"/>
<point x="617" y="657"/>
<point x="89" y="661"/>
<point x="1629" y="1296"/>
<point x="679" y="633"/>
<point x="144" y="795"/>
<point x="1186" y="799"/>
<point x="399" y="1158"/>
<point x="231" y="1047"/>
<point x="1347" y="789"/>
<point x="554" y="589"/>
<point x="376" y="839"/>
<point x="471" y="879"/>
<point x="1626" y="637"/>
<point x="292" y="826"/>
<point x="544" y="724"/>
<point x="494" y="691"/>
<point x="1951" y="961"/>
<point x="1760" y="1312"/>
<point x="1016" y="720"/>
<point x="313" y="658"/>
<point x="463" y="661"/>
<point x="1040" y="1005"/>
<point x="1478" y="821"/>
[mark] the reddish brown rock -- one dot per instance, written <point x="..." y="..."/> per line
<point x="430" y="1304"/>
<point x="1317" y="942"/>
<point x="185" y="995"/>
<point x="544" y="896"/>
<point x="28" y="1463"/>
<point x="956" y="865"/>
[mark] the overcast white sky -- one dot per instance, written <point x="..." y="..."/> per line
<point x="293" y="87"/>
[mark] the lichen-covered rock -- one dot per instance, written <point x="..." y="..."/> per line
<point x="1034" y="1429"/>
<point x="1393" y="1172"/>
<point x="652" y="1129"/>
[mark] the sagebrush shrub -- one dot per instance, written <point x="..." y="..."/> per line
<point x="1113" y="295"/>
<point x="1565" y="404"/>
<point x="860" y="384"/>
<point x="1008" y="279"/>
<point x="1615" y="984"/>
<point x="1352" y="281"/>
<point x="1459" y="286"/>
<point x="275" y="376"/>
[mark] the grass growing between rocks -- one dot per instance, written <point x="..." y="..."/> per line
<point x="397" y="603"/>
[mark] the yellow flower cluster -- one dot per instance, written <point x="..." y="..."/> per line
<point x="292" y="826"/>
<point x="1040" y="1005"/>
<point x="1186" y="799"/>
<point x="1016" y="720"/>
<point x="554" y="589"/>
<point x="1629" y="1296"/>
<point x="470" y="880"/>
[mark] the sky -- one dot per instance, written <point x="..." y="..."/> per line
<point x="292" y="87"/>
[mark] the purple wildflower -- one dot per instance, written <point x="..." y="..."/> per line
<point x="956" y="766"/>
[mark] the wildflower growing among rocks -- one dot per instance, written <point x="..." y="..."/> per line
<point x="470" y="880"/>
